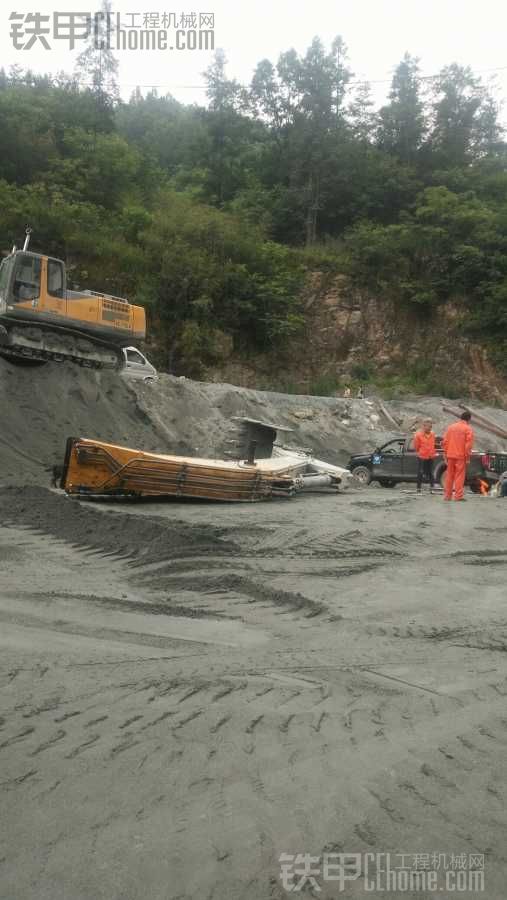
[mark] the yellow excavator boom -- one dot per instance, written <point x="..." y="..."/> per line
<point x="94" y="468"/>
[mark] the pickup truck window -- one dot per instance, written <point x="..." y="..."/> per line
<point x="395" y="446"/>
<point x="134" y="357"/>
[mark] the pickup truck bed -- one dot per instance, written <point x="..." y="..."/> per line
<point x="496" y="462"/>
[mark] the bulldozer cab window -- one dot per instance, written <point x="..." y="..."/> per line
<point x="26" y="277"/>
<point x="5" y="277"/>
<point x="55" y="278"/>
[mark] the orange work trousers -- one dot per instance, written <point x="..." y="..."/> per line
<point x="455" y="478"/>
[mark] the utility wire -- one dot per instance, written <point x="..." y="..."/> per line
<point x="202" y="86"/>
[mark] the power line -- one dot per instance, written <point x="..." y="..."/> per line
<point x="203" y="86"/>
<point x="189" y="87"/>
<point x="426" y="77"/>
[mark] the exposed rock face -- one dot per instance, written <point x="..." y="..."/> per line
<point x="348" y="331"/>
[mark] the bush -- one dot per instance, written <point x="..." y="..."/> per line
<point x="361" y="372"/>
<point x="324" y="386"/>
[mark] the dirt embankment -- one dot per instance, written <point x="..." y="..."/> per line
<point x="41" y="407"/>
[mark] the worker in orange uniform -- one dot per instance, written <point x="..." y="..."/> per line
<point x="458" y="442"/>
<point x="424" y="445"/>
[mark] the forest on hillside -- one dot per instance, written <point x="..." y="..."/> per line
<point x="212" y="216"/>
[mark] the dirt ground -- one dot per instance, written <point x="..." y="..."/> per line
<point x="189" y="691"/>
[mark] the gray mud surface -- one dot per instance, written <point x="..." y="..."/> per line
<point x="190" y="690"/>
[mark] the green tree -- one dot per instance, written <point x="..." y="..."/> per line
<point x="230" y="132"/>
<point x="213" y="270"/>
<point x="361" y="116"/>
<point x="96" y="66"/>
<point x="304" y="106"/>
<point x="402" y="120"/>
<point x="465" y="118"/>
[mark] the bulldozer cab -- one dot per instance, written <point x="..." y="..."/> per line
<point x="20" y="277"/>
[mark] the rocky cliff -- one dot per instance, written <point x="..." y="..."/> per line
<point x="349" y="335"/>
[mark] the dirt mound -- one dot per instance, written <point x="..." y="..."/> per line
<point x="87" y="527"/>
<point x="41" y="407"/>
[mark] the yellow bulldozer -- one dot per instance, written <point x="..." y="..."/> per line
<point x="40" y="319"/>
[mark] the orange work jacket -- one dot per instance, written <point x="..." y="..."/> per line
<point x="458" y="440"/>
<point x="424" y="445"/>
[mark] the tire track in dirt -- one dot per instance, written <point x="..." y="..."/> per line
<point x="59" y="736"/>
<point x="81" y="748"/>
<point x="220" y="723"/>
<point x="17" y="737"/>
<point x="16" y="782"/>
<point x="252" y="725"/>
<point x="233" y="584"/>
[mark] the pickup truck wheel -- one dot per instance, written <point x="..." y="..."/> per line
<point x="441" y="478"/>
<point x="388" y="483"/>
<point x="362" y="473"/>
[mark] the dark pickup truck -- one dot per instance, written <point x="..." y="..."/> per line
<point x="396" y="461"/>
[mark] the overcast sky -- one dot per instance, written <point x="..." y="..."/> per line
<point x="377" y="33"/>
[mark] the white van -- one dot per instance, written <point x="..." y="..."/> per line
<point x="137" y="366"/>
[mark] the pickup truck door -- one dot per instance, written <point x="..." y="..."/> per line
<point x="390" y="461"/>
<point x="410" y="461"/>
